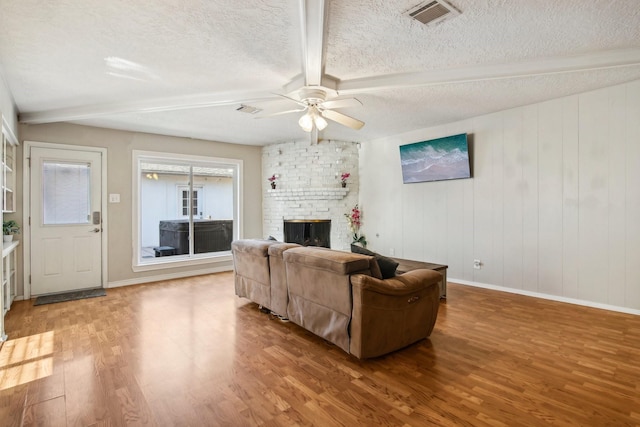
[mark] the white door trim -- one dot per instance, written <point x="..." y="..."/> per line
<point x="26" y="207"/>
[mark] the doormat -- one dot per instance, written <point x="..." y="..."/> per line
<point x="70" y="296"/>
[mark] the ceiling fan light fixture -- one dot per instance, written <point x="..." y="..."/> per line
<point x="311" y="119"/>
<point x="320" y="122"/>
<point x="306" y="122"/>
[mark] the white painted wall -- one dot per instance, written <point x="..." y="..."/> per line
<point x="553" y="207"/>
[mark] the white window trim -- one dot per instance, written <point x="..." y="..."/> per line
<point x="181" y="261"/>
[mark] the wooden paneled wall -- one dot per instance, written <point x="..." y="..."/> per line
<point x="553" y="207"/>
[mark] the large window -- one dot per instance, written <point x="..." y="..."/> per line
<point x="186" y="209"/>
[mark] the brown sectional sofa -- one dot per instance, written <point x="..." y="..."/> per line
<point x="251" y="268"/>
<point x="339" y="296"/>
<point x="279" y="290"/>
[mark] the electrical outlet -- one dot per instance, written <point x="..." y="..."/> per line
<point x="477" y="264"/>
<point x="392" y="251"/>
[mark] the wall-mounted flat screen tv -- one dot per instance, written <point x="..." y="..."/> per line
<point x="436" y="160"/>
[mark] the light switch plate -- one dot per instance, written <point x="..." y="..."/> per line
<point x="114" y="198"/>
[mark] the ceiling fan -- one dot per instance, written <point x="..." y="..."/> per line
<point x="316" y="92"/>
<point x="317" y="107"/>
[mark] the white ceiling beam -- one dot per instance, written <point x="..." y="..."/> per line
<point x="149" y="106"/>
<point x="312" y="17"/>
<point x="543" y="66"/>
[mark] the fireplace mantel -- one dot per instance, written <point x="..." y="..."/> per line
<point x="292" y="194"/>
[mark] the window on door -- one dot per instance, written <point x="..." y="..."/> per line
<point x="65" y="192"/>
<point x="186" y="208"/>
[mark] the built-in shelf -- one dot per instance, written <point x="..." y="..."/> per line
<point x="287" y="194"/>
<point x="7" y="159"/>
<point x="8" y="143"/>
<point x="8" y="289"/>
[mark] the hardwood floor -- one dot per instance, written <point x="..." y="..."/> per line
<point x="190" y="353"/>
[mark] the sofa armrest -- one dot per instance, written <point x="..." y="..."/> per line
<point x="393" y="313"/>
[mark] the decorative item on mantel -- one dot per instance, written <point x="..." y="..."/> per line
<point x="343" y="179"/>
<point x="9" y="228"/>
<point x="355" y="221"/>
<point x="272" y="180"/>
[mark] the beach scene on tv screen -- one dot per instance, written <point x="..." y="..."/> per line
<point x="436" y="159"/>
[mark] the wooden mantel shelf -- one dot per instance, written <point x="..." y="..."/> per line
<point x="287" y="194"/>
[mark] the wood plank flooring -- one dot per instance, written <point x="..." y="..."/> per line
<point x="190" y="353"/>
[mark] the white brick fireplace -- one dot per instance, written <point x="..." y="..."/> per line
<point x="308" y="186"/>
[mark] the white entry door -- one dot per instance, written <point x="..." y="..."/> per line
<point x="66" y="220"/>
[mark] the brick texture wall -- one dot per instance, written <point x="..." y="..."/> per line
<point x="308" y="186"/>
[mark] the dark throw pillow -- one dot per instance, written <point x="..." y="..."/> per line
<point x="387" y="265"/>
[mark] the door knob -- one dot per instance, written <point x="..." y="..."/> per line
<point x="95" y="230"/>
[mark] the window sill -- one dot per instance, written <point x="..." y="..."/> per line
<point x="178" y="261"/>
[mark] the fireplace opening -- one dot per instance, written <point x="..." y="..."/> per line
<point x="308" y="232"/>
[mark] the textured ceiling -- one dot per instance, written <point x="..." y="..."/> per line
<point x="373" y="37"/>
<point x="115" y="60"/>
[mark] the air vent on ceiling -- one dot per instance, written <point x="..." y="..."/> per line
<point x="432" y="12"/>
<point x="248" y="109"/>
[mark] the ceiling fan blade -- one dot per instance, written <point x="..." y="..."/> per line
<point x="343" y="119"/>
<point x="297" y="101"/>
<point x="279" y="113"/>
<point x="341" y="103"/>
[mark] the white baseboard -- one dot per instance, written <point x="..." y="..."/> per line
<point x="546" y="296"/>
<point x="148" y="279"/>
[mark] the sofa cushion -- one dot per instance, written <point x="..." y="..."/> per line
<point x="252" y="246"/>
<point x="387" y="265"/>
<point x="336" y="261"/>
<point x="278" y="249"/>
<point x="251" y="268"/>
<point x="319" y="284"/>
<point x="279" y="289"/>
